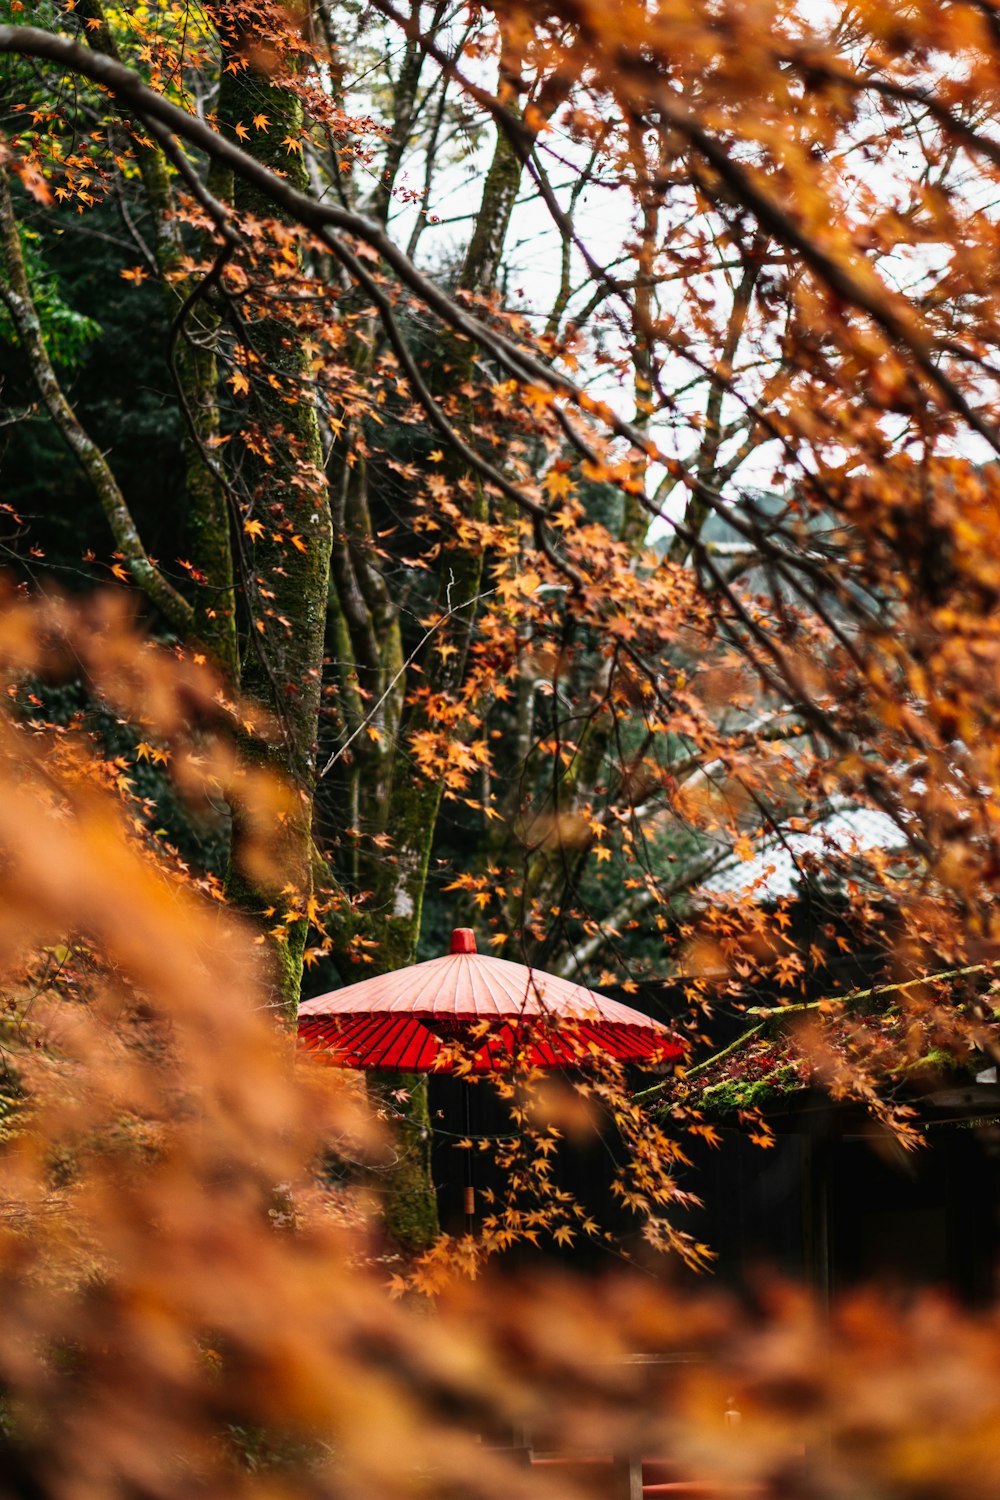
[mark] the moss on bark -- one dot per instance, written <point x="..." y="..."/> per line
<point x="289" y="496"/>
<point x="409" y="1202"/>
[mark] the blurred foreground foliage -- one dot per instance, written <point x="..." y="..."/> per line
<point x="187" y="1308"/>
<point x="617" y="558"/>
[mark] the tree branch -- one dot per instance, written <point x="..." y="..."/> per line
<point x="16" y="293"/>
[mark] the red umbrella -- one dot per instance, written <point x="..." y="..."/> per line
<point x="415" y="1019"/>
<point x="484" y="1010"/>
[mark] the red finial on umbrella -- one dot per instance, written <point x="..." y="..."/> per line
<point x="463" y="940"/>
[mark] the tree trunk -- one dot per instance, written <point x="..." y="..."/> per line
<point x="289" y="496"/>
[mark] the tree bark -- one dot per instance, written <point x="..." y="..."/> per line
<point x="283" y="668"/>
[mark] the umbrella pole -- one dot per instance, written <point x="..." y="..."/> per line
<point x="470" y="1191"/>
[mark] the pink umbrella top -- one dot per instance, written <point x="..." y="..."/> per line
<point x="412" y="1018"/>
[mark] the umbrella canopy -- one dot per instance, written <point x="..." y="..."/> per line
<point x="418" y="1018"/>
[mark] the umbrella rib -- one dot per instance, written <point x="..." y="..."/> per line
<point x="515" y="989"/>
<point x="455" y="972"/>
<point x="484" y="999"/>
<point x="408" y="997"/>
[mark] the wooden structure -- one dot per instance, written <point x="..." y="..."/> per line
<point x="838" y="1203"/>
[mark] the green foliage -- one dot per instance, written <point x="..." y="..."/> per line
<point x="68" y="332"/>
<point x="120" y="388"/>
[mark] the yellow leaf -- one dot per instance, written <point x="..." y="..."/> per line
<point x="558" y="483"/>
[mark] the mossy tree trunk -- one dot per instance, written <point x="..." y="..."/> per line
<point x="287" y="493"/>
